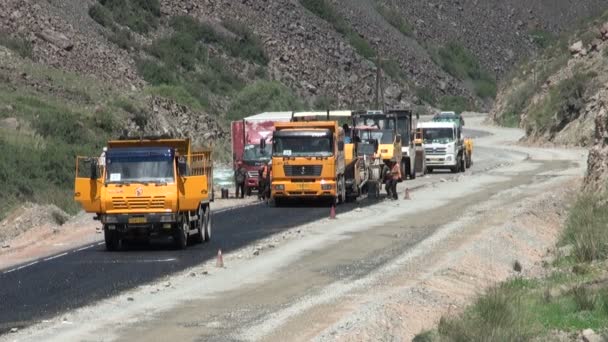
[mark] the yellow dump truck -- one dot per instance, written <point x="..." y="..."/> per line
<point x="308" y="161"/>
<point x="151" y="188"/>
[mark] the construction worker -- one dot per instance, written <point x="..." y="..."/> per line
<point x="262" y="182"/>
<point x="394" y="177"/>
<point x="268" y="181"/>
<point x="240" y="174"/>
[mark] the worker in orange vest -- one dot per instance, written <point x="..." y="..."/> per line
<point x="391" y="183"/>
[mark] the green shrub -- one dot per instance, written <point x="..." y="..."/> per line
<point x="325" y="102"/>
<point x="101" y="15"/>
<point x="248" y="46"/>
<point x="123" y="38"/>
<point x="188" y="25"/>
<point x="392" y="16"/>
<point x="585" y="299"/>
<point x="361" y="45"/>
<point x="260" y="97"/>
<point x="457" y="104"/>
<point x="562" y="105"/>
<point x="517" y="101"/>
<point x="21" y="46"/>
<point x="177" y="93"/>
<point x="156" y="73"/>
<point x="426" y="95"/>
<point x="586" y="228"/>
<point x="393" y="69"/>
<point x="542" y="39"/>
<point x="139" y="15"/>
<point x="462" y="64"/>
<point x="498" y="315"/>
<point x="324" y="10"/>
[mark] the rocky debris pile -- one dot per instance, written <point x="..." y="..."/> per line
<point x="58" y="40"/>
<point x="31" y="216"/>
<point x="597" y="163"/>
<point x="169" y="117"/>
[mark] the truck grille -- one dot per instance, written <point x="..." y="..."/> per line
<point x="126" y="203"/>
<point x="302" y="170"/>
<point x="435" y="150"/>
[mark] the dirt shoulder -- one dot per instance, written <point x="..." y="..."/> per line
<point x="34" y="232"/>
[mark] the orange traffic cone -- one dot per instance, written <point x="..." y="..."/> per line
<point x="332" y="212"/>
<point x="220" y="259"/>
<point x="407" y="194"/>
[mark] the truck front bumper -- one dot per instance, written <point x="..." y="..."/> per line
<point x="438" y="161"/>
<point x="289" y="189"/>
<point x="141" y="225"/>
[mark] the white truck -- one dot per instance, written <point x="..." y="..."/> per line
<point x="443" y="147"/>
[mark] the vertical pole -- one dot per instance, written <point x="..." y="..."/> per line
<point x="377" y="80"/>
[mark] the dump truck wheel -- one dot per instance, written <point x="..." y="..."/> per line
<point x="199" y="237"/>
<point x="468" y="162"/>
<point x="462" y="165"/>
<point x="112" y="239"/>
<point x="207" y="225"/>
<point x="181" y="234"/>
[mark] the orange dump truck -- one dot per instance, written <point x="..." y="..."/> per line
<point x="308" y="161"/>
<point x="148" y="189"/>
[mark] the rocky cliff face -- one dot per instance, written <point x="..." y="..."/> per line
<point x="597" y="164"/>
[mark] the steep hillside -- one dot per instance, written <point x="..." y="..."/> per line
<point x="561" y="97"/>
<point x="556" y="97"/>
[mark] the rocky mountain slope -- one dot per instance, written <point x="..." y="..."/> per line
<point x="305" y="51"/>
<point x="560" y="98"/>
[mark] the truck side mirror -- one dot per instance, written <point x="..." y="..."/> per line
<point x="94" y="169"/>
<point x="340" y="146"/>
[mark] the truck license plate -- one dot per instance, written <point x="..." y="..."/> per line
<point x="303" y="186"/>
<point x="137" y="220"/>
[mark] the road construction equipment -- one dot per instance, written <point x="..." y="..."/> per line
<point x="148" y="188"/>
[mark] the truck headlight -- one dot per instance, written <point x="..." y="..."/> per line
<point x="279" y="187"/>
<point x="327" y="186"/>
<point x="448" y="158"/>
<point x="167" y="218"/>
<point x="110" y="219"/>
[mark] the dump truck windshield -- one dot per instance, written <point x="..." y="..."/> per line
<point x="382" y="136"/>
<point x="303" y="144"/>
<point x="254" y="153"/>
<point x="438" y="135"/>
<point x="154" y="165"/>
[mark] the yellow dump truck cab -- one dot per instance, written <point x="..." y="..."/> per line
<point x="148" y="189"/>
<point x="308" y="161"/>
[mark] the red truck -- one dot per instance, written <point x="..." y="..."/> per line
<point x="247" y="146"/>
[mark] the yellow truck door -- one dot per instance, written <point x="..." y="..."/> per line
<point x="88" y="184"/>
<point x="192" y="190"/>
